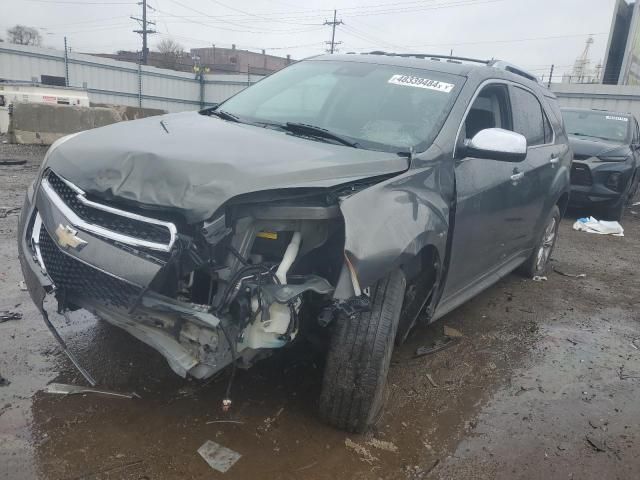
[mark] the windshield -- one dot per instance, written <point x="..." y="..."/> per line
<point x="379" y="107"/>
<point x="601" y="125"/>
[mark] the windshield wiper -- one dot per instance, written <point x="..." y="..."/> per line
<point x="314" y="131"/>
<point x="578" y="134"/>
<point x="224" y="115"/>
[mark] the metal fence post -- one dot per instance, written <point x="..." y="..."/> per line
<point x="139" y="85"/>
<point x="201" y="90"/>
<point x="66" y="63"/>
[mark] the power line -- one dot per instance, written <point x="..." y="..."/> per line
<point x="333" y="31"/>
<point x="218" y="18"/>
<point x="423" y="8"/>
<point x="251" y="14"/>
<point x="69" y="2"/>
<point x="145" y="31"/>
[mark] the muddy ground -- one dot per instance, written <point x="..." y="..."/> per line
<point x="543" y="384"/>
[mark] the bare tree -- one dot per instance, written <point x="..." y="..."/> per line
<point x="172" y="53"/>
<point x="23" y="35"/>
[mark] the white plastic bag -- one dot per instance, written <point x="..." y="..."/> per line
<point x="602" y="227"/>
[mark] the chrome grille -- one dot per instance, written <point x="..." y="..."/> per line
<point x="117" y="223"/>
<point x="83" y="281"/>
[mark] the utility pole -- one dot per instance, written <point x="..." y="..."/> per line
<point x="333" y="24"/>
<point x="145" y="31"/>
<point x="550" y="76"/>
<point x="66" y="63"/>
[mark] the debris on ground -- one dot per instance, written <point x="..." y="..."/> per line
<point x="601" y="227"/>
<point x="539" y="278"/>
<point x="383" y="445"/>
<point x="225" y="421"/>
<point x="597" y="424"/>
<point x="570" y="275"/>
<point x="441" y="345"/>
<point x="6" y="211"/>
<point x="452" y="332"/>
<point x="22" y="285"/>
<point x="626" y="376"/>
<point x="596" y="444"/>
<point x="570" y="340"/>
<point x="3" y="381"/>
<point x="218" y="457"/>
<point x="6" y="315"/>
<point x="364" y="453"/>
<point x="64" y="389"/>
<point x="269" y="421"/>
<point x="433" y="384"/>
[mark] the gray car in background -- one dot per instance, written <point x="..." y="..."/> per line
<point x="346" y="194"/>
<point x="606" y="161"/>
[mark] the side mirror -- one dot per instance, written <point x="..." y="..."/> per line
<point x="497" y="144"/>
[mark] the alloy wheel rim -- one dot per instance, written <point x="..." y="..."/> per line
<point x="548" y="240"/>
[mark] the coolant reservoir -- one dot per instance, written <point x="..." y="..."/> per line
<point x="266" y="334"/>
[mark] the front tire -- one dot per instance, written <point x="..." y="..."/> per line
<point x="537" y="263"/>
<point x="358" y="359"/>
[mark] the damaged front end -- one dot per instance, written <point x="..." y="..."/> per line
<point x="205" y="294"/>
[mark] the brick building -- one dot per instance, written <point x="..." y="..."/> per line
<point x="234" y="60"/>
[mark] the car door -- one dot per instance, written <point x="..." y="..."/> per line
<point x="543" y="155"/>
<point x="486" y="195"/>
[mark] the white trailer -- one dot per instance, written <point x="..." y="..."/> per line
<point x="12" y="93"/>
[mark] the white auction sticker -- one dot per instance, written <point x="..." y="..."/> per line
<point x="411" y="81"/>
<point x="621" y="119"/>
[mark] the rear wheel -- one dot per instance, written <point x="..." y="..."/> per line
<point x="537" y="263"/>
<point x="358" y="360"/>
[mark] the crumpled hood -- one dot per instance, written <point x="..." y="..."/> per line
<point x="198" y="162"/>
<point x="583" y="148"/>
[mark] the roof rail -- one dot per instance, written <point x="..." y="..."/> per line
<point x="509" y="67"/>
<point x="500" y="64"/>
<point x="430" y="56"/>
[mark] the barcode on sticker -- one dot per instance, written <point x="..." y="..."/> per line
<point x="411" y="81"/>
<point x="621" y="119"/>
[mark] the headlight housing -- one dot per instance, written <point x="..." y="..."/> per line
<point x="43" y="166"/>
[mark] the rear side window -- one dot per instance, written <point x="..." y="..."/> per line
<point x="528" y="116"/>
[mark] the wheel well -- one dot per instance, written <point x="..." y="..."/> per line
<point x="422" y="275"/>
<point x="563" y="201"/>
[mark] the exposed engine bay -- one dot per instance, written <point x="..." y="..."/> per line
<point x="205" y="295"/>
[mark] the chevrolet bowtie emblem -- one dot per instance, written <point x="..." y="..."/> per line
<point x="68" y="238"/>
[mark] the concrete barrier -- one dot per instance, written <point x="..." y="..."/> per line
<point x="43" y="124"/>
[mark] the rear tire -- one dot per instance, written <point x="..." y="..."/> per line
<point x="537" y="263"/>
<point x="358" y="359"/>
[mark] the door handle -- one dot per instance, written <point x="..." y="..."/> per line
<point x="554" y="159"/>
<point x="517" y="176"/>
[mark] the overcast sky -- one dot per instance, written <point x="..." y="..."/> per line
<point x="531" y="33"/>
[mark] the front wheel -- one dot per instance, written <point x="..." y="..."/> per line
<point x="537" y="263"/>
<point x="358" y="360"/>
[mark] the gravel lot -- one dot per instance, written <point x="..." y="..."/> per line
<point x="543" y="384"/>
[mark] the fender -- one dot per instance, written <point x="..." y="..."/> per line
<point x="388" y="224"/>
